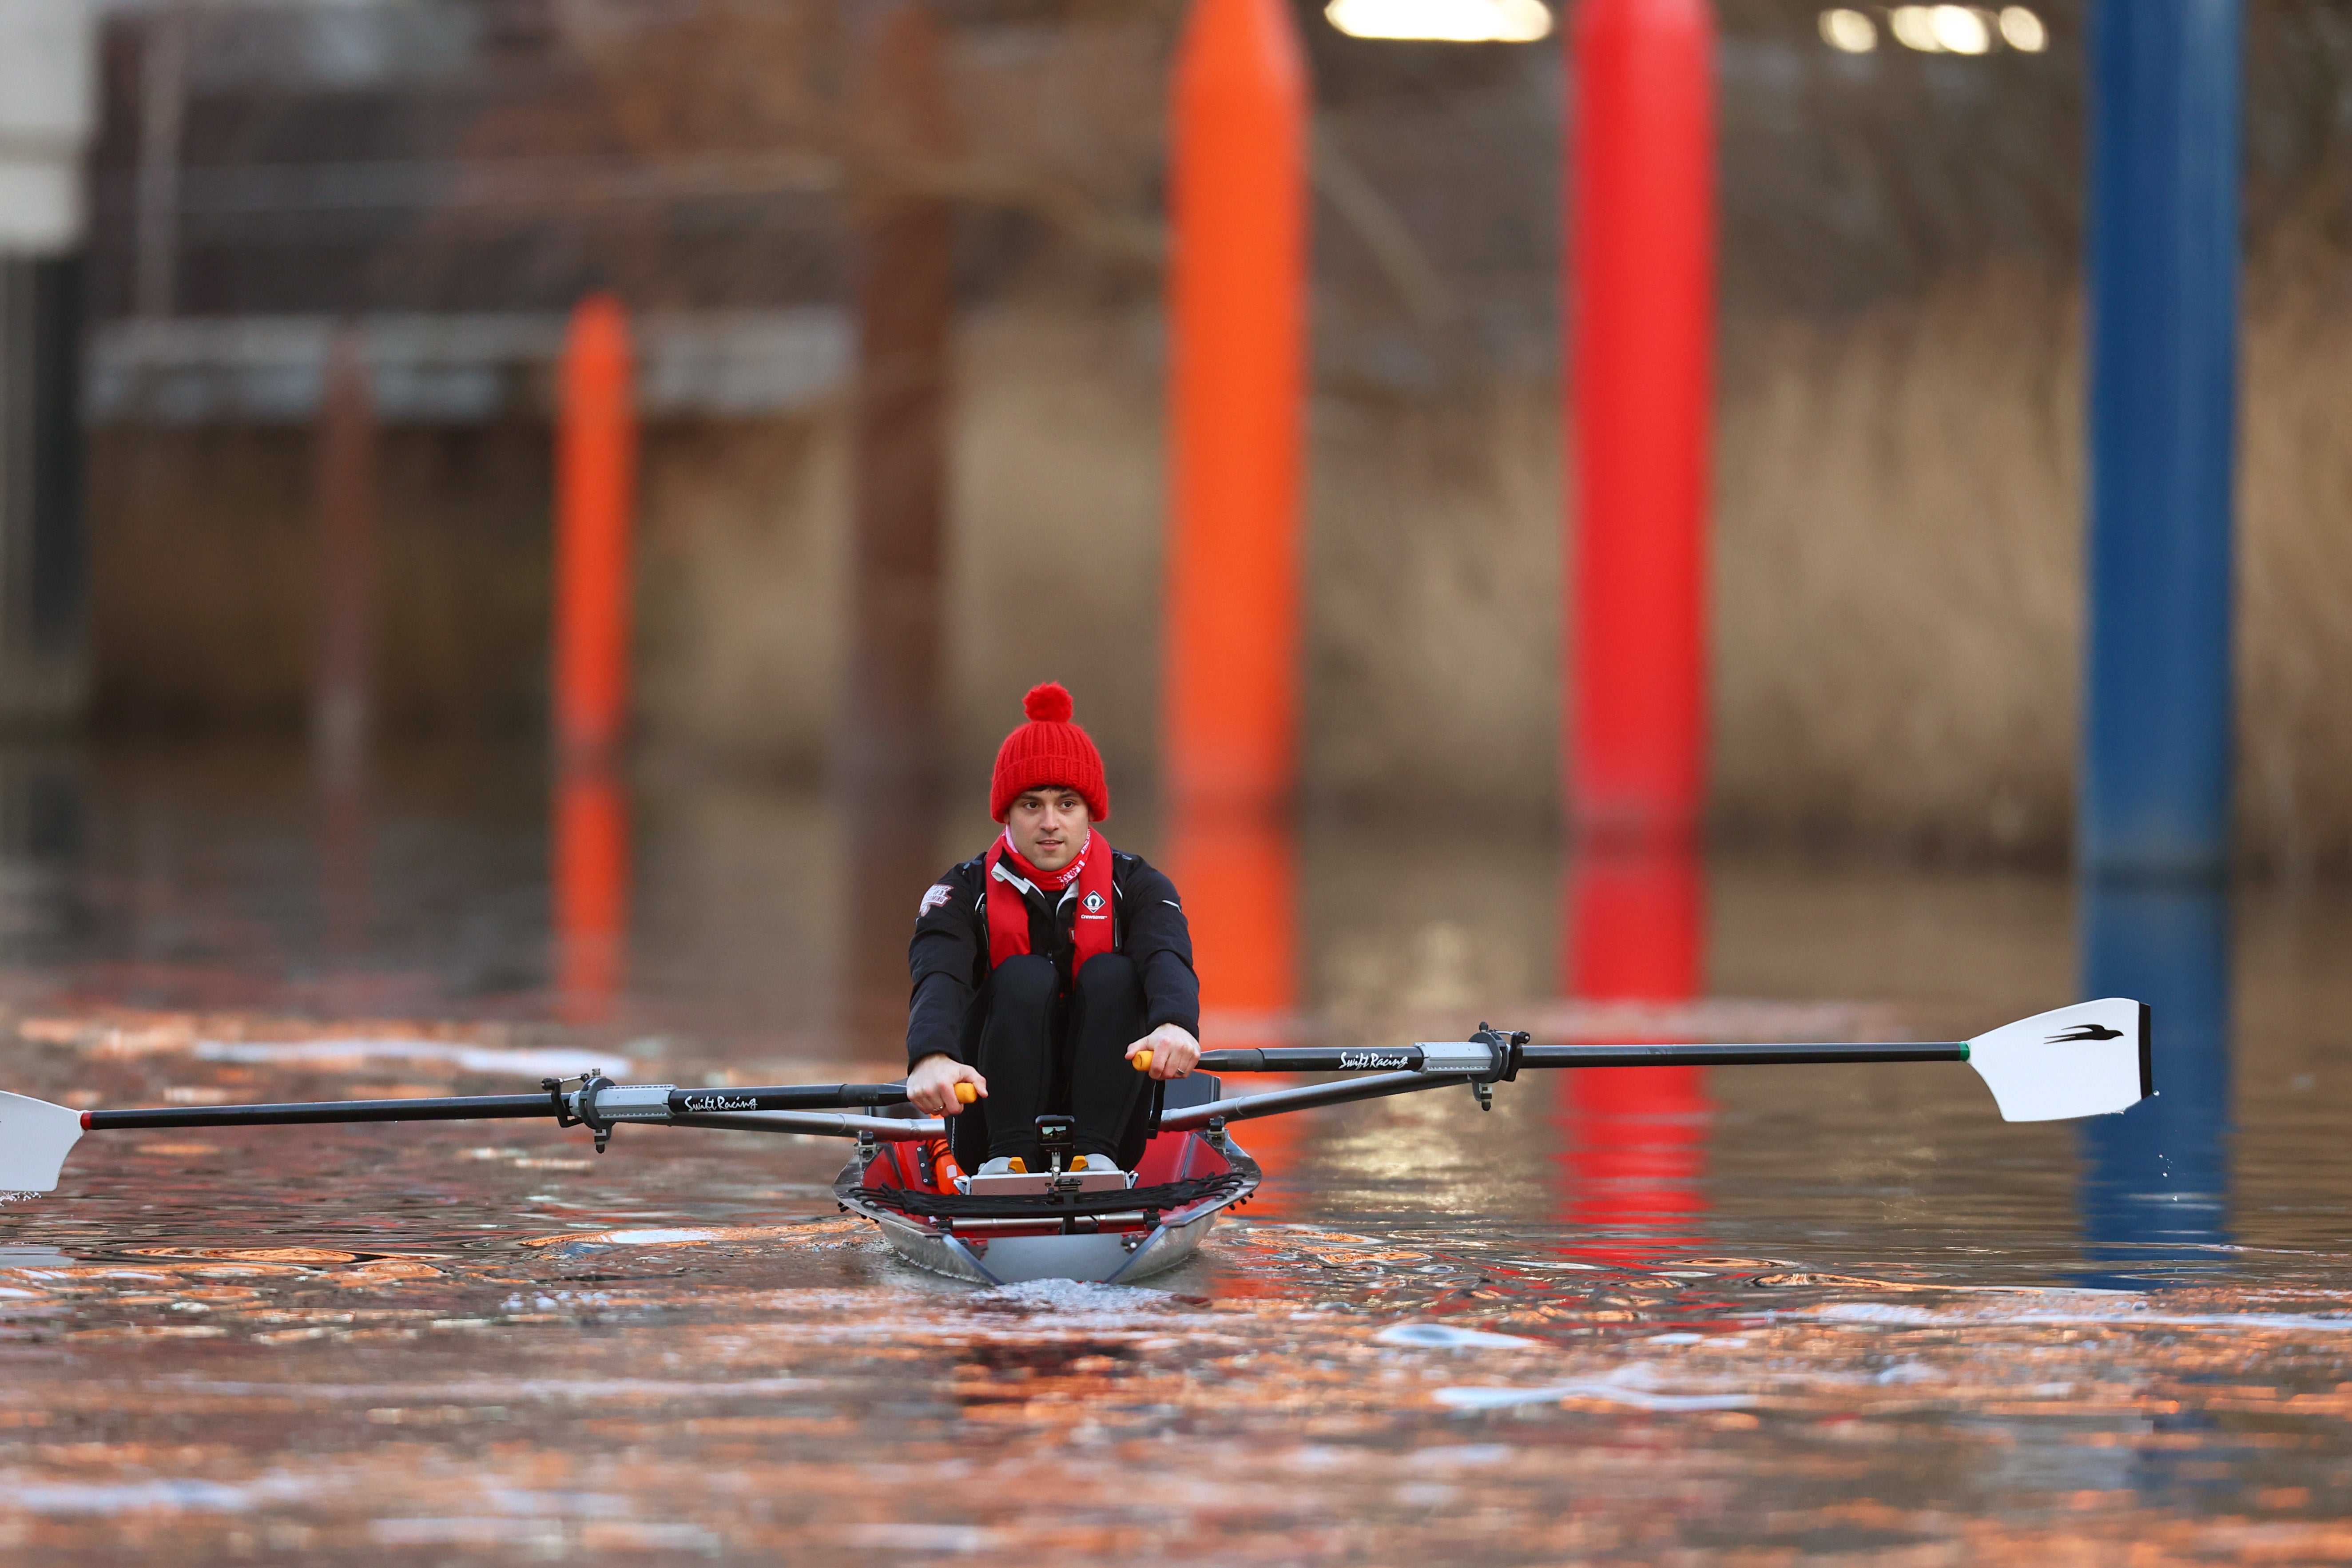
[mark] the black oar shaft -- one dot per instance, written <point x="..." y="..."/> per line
<point x="488" y="1107"/>
<point x="1624" y="1055"/>
<point x="458" y="1108"/>
<point x="1378" y="1085"/>
<point x="1414" y="1058"/>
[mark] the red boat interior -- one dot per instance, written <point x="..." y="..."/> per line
<point x="1169" y="1157"/>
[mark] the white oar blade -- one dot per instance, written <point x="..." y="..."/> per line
<point x="2090" y="1059"/>
<point x="34" y="1137"/>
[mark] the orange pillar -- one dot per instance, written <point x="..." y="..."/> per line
<point x="1237" y="316"/>
<point x="1238" y="329"/>
<point x="596" y="505"/>
<point x="595" y="508"/>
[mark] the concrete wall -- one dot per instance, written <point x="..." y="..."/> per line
<point x="204" y="572"/>
<point x="1897" y="577"/>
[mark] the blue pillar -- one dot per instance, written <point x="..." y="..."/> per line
<point x="2163" y="273"/>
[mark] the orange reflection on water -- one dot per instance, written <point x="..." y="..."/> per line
<point x="1636" y="1155"/>
<point x="591" y="893"/>
<point x="1238" y="872"/>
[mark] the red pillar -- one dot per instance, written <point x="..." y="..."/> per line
<point x="1237" y="313"/>
<point x="596" y="509"/>
<point x="1641" y="319"/>
<point x="1641" y="315"/>
<point x="1642" y="325"/>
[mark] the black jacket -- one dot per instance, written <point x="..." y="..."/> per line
<point x="949" y="956"/>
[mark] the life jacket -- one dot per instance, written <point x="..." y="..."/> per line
<point x="1010" y="879"/>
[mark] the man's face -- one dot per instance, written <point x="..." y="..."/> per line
<point x="1048" y="826"/>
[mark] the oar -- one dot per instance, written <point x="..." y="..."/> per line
<point x="2090" y="1059"/>
<point x="34" y="1136"/>
<point x="2084" y="1060"/>
<point x="634" y="1102"/>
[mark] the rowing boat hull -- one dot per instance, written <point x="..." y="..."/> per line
<point x="1025" y="1241"/>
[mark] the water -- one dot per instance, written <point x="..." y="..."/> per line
<point x="1777" y="1314"/>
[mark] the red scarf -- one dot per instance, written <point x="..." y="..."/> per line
<point x="1008" y="909"/>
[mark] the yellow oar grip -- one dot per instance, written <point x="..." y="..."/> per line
<point x="1142" y="1061"/>
<point x="966" y="1094"/>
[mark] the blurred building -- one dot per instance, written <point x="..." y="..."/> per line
<point x="1897" y="507"/>
<point x="48" y="111"/>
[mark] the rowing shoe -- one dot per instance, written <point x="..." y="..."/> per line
<point x="2090" y="1059"/>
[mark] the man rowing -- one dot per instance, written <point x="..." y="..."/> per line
<point x="1046" y="966"/>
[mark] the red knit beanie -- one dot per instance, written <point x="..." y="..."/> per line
<point x="1048" y="750"/>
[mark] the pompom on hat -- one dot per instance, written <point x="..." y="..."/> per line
<point x="1048" y="750"/>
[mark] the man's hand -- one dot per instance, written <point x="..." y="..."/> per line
<point x="1173" y="1051"/>
<point x="932" y="1085"/>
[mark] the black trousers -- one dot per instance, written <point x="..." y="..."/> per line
<point x="1043" y="1055"/>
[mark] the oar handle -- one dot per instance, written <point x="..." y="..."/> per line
<point x="1469" y="1056"/>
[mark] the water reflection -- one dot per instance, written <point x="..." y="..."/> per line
<point x="884" y="874"/>
<point x="42" y="832"/>
<point x="1636" y="1155"/>
<point x="2154" y="1191"/>
<point x="591" y="890"/>
<point x="1237" y="871"/>
<point x="178" y="880"/>
<point x="340" y="699"/>
<point x="343" y="845"/>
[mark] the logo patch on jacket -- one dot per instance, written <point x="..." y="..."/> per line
<point x="935" y="895"/>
